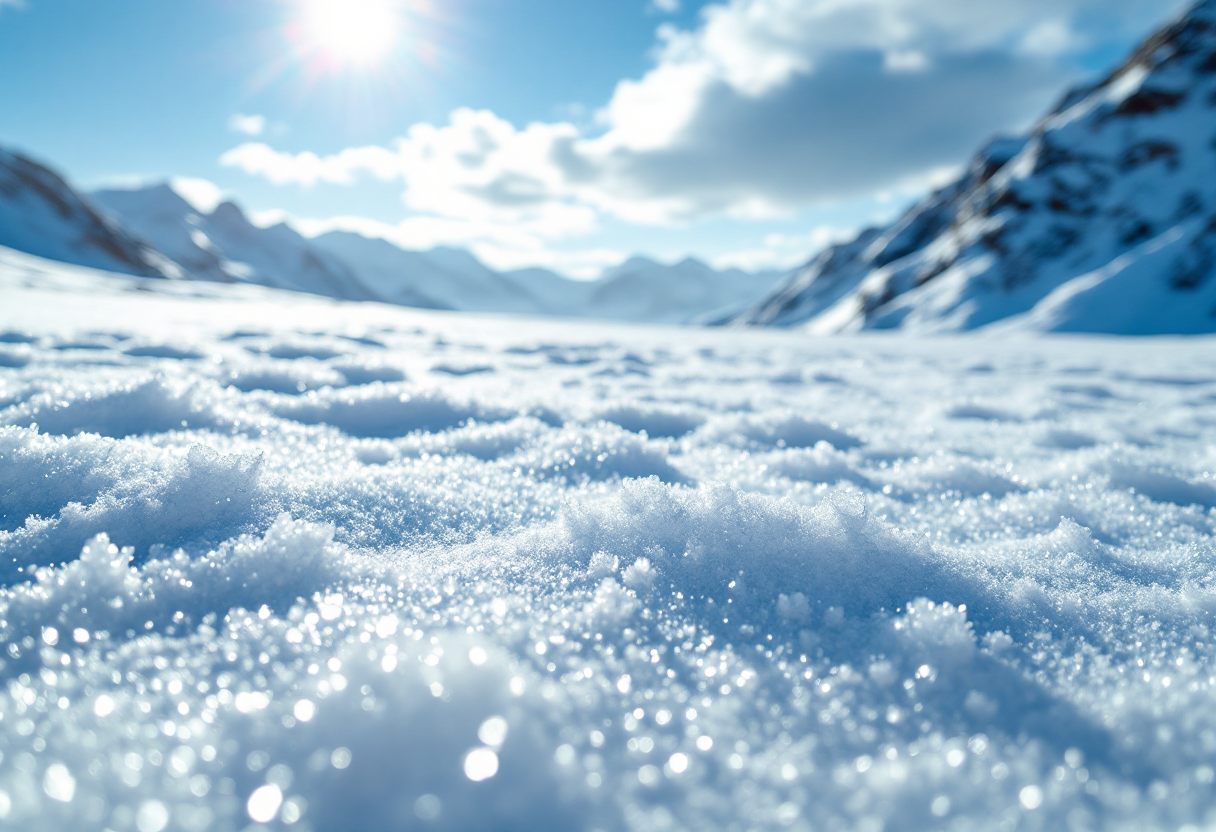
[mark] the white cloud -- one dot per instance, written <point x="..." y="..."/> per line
<point x="666" y="6"/>
<point x="203" y="195"/>
<point x="478" y="171"/>
<point x="1050" y="38"/>
<point x="16" y="4"/>
<point x="249" y="125"/>
<point x="909" y="61"/>
<point x="771" y="104"/>
<point x="308" y="168"/>
<point x="269" y="218"/>
<point x="765" y="107"/>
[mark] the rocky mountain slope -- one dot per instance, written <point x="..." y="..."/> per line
<point x="41" y="214"/>
<point x="1102" y="219"/>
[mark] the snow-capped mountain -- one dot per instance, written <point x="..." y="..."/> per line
<point x="642" y="290"/>
<point x="159" y="213"/>
<point x="224" y="245"/>
<point x="41" y="214"/>
<point x="1102" y="219"/>
<point x="442" y="278"/>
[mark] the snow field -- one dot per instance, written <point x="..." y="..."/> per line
<point x="422" y="571"/>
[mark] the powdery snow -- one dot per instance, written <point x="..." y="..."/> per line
<point x="273" y="562"/>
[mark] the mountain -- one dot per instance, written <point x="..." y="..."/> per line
<point x="159" y="213"/>
<point x="442" y="278"/>
<point x="642" y="290"/>
<point x="224" y="245"/>
<point x="41" y="214"/>
<point x="1102" y="219"/>
<point x="559" y="295"/>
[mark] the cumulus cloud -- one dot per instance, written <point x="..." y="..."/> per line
<point x="478" y="176"/>
<point x="766" y="106"/>
<point x="249" y="125"/>
<point x="308" y="168"/>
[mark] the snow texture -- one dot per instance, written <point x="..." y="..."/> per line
<point x="269" y="562"/>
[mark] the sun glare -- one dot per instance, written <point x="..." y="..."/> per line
<point x="352" y="31"/>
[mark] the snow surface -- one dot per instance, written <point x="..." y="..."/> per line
<point x="277" y="562"/>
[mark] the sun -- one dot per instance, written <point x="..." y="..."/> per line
<point x="359" y="32"/>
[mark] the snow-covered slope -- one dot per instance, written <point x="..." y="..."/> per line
<point x="41" y="214"/>
<point x="272" y="562"/>
<point x="559" y="294"/>
<point x="281" y="258"/>
<point x="225" y="246"/>
<point x="159" y="213"/>
<point x="1102" y="219"/>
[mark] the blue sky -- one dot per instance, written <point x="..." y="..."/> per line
<point x="566" y="133"/>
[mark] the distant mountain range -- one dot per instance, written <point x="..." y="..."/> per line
<point x="154" y="232"/>
<point x="1102" y="219"/>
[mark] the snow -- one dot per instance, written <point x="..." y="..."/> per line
<point x="268" y="563"/>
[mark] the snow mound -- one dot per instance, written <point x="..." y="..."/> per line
<point x="132" y="408"/>
<point x="386" y="410"/>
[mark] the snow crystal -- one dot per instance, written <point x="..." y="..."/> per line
<point x="630" y="579"/>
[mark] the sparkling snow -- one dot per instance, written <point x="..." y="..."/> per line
<point x="280" y="563"/>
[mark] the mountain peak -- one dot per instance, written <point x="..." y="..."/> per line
<point x="159" y="197"/>
<point x="229" y="212"/>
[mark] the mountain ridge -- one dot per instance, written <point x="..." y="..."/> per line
<point x="224" y="245"/>
<point x="40" y="213"/>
